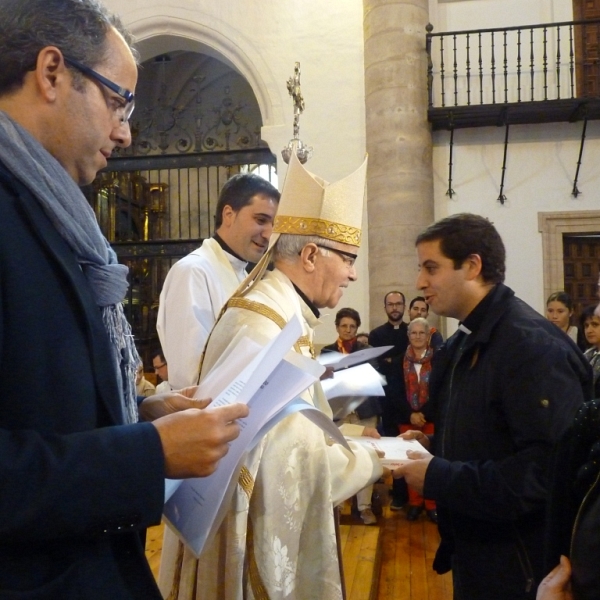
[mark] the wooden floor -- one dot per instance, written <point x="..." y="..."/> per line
<point x="389" y="561"/>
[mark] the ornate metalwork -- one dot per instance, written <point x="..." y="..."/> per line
<point x="191" y="103"/>
<point x="303" y="152"/>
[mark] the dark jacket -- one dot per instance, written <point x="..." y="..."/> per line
<point x="390" y="366"/>
<point x="77" y="487"/>
<point x="574" y="507"/>
<point x="503" y="402"/>
<point x="371" y="407"/>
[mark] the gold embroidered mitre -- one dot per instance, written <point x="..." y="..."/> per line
<point x="311" y="206"/>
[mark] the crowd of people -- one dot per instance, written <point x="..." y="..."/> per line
<point x="503" y="408"/>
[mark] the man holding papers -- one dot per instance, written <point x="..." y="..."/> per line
<point x="278" y="537"/>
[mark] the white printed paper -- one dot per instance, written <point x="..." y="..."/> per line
<point x="270" y="384"/>
<point x="394" y="448"/>
<point x="338" y="361"/>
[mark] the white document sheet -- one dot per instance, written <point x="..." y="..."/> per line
<point x="269" y="384"/>
<point x="395" y="448"/>
<point x="349" y="388"/>
<point x="362" y="380"/>
<point x="338" y="361"/>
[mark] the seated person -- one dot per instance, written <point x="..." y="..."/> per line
<point x="142" y="385"/>
<point x="159" y="363"/>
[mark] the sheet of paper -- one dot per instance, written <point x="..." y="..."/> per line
<point x="240" y="386"/>
<point x="196" y="508"/>
<point x="395" y="448"/>
<point x="342" y="406"/>
<point x="338" y="361"/>
<point x="310" y="412"/>
<point x="362" y="380"/>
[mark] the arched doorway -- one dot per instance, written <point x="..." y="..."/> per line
<point x="197" y="122"/>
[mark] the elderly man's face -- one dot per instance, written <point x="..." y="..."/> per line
<point x="334" y="271"/>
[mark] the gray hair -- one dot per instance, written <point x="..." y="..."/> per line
<point x="420" y="321"/>
<point x="289" y="246"/>
<point x="77" y="27"/>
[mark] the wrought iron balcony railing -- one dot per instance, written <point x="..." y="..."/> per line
<point x="525" y="74"/>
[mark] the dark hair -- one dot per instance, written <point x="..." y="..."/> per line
<point x="239" y="191"/>
<point x="394" y="292"/>
<point x="586" y="315"/>
<point x="158" y="352"/>
<point x="77" y="27"/>
<point x="561" y="297"/>
<point x="464" y="234"/>
<point x="349" y="313"/>
<point x="418" y="299"/>
<point x="363" y="334"/>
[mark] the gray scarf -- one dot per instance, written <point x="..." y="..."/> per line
<point x="73" y="217"/>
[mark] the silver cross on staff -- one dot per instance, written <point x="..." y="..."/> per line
<point x="303" y="152"/>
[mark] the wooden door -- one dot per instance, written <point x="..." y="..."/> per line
<point x="582" y="268"/>
<point x="587" y="48"/>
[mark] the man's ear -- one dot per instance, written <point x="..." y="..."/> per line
<point x="50" y="69"/>
<point x="308" y="257"/>
<point x="228" y="215"/>
<point x="473" y="265"/>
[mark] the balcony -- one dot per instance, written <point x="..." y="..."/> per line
<point x="517" y="75"/>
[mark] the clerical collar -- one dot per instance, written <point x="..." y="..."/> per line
<point x="476" y="317"/>
<point x="309" y="303"/>
<point x="226" y="248"/>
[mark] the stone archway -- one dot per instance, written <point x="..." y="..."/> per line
<point x="162" y="33"/>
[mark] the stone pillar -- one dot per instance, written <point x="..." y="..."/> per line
<point x="400" y="176"/>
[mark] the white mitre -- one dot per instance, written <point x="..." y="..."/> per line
<point x="312" y="206"/>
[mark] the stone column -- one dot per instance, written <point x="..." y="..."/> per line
<point x="400" y="176"/>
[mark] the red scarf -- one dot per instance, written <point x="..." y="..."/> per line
<point x="417" y="387"/>
<point x="346" y="347"/>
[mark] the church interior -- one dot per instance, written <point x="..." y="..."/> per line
<point x="483" y="106"/>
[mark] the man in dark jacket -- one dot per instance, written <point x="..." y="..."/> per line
<point x="393" y="333"/>
<point x="506" y="386"/>
<point x="80" y="478"/>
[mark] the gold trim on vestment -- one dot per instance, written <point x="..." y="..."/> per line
<point x="337" y="232"/>
<point x="246" y="481"/>
<point x="259" y="590"/>
<point x="304" y="341"/>
<point x="258" y="307"/>
<point x="269" y="313"/>
<point x="174" y="593"/>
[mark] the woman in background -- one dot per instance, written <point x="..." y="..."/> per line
<point x="559" y="309"/>
<point x="416" y="414"/>
<point x="347" y="322"/>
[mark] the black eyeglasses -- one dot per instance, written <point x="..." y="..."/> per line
<point x="348" y="258"/>
<point x="123" y="112"/>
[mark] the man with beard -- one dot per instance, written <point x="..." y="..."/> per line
<point x="393" y="333"/>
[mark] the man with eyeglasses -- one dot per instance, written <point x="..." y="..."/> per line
<point x="81" y="479"/>
<point x="159" y="364"/>
<point x="393" y="333"/>
<point x="278" y="537"/>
